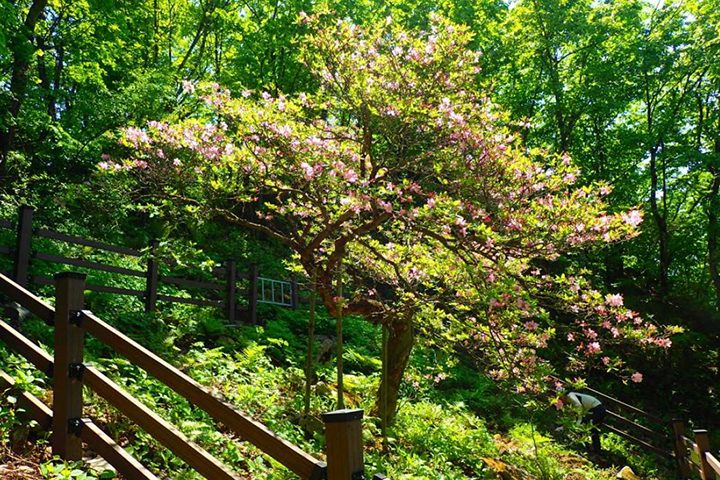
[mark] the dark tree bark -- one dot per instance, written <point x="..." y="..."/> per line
<point x="22" y="47"/>
<point x="400" y="344"/>
<point x="713" y="228"/>
<point x="661" y="224"/>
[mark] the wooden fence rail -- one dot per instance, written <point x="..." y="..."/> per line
<point x="655" y="438"/>
<point x="70" y="374"/>
<point x="694" y="456"/>
<point x="228" y="275"/>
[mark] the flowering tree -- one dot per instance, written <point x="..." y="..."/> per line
<point x="399" y="166"/>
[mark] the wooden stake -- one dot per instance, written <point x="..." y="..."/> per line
<point x="311" y="335"/>
<point x="253" y="294"/>
<point x="22" y="245"/>
<point x="340" y="387"/>
<point x="151" y="285"/>
<point x="702" y="439"/>
<point x="68" y="370"/>
<point x="231" y="289"/>
<point x="680" y="448"/>
<point x="384" y="392"/>
<point x="343" y="436"/>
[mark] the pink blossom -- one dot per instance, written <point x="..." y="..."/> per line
<point x="633" y="218"/>
<point x="594" y="347"/>
<point x="636" y="377"/>
<point x="614" y="300"/>
<point x="531" y="325"/>
<point x="188" y="87"/>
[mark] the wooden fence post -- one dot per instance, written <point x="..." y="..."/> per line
<point x="22" y="245"/>
<point x="68" y="369"/>
<point x="231" y="278"/>
<point x="253" y="294"/>
<point x="152" y="278"/>
<point x="703" y="443"/>
<point x="680" y="448"/>
<point x="294" y="294"/>
<point x="343" y="436"/>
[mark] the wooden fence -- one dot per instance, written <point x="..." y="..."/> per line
<point x="635" y="425"/>
<point x="695" y="456"/>
<point x="70" y="374"/>
<point x="223" y="295"/>
<point x="665" y="438"/>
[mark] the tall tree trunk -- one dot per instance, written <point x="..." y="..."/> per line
<point x="661" y="223"/>
<point x="400" y="343"/>
<point x="713" y="228"/>
<point x="22" y="48"/>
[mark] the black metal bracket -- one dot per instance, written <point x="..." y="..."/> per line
<point x="75" y="425"/>
<point x="359" y="475"/>
<point x="76" y="371"/>
<point x="76" y="318"/>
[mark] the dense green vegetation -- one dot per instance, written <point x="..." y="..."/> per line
<point x="249" y="130"/>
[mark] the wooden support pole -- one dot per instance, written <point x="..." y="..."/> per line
<point x="340" y="346"/>
<point x="702" y="440"/>
<point x="23" y="245"/>
<point x="231" y="278"/>
<point x="294" y="294"/>
<point x="68" y="370"/>
<point x="311" y="340"/>
<point x="152" y="278"/>
<point x="343" y="436"/>
<point x="384" y="390"/>
<point x="253" y="294"/>
<point x="679" y="447"/>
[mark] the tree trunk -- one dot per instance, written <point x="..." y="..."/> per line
<point x="661" y="223"/>
<point x="22" y="49"/>
<point x="400" y="345"/>
<point x="713" y="228"/>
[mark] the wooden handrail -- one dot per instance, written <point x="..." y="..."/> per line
<point x="34" y="408"/>
<point x="185" y="282"/>
<point x="90" y="434"/>
<point x="22" y="345"/>
<point x="295" y="459"/>
<point x="713" y="461"/>
<point x="42" y="232"/>
<point x="637" y="441"/>
<point x="159" y="429"/>
<point x="191" y="301"/>
<point x="195" y="456"/>
<point x="27" y="299"/>
<point x="4" y="249"/>
<point x="620" y="403"/>
<point x="689" y="443"/>
<point x="627" y="406"/>
<point x="86" y="264"/>
<point x="637" y="426"/>
<point x="7" y="224"/>
<point x="115" y="455"/>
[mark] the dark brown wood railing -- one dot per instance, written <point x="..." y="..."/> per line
<point x="70" y="374"/>
<point x="222" y="294"/>
<point x="624" y="420"/>
<point x="693" y="457"/>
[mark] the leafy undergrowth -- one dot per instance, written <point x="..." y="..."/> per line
<point x="452" y="423"/>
